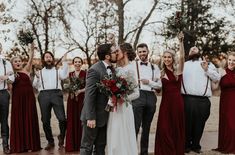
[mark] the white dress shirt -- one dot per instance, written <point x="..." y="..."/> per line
<point x="49" y="78"/>
<point x="2" y="73"/>
<point x="195" y="78"/>
<point x="109" y="72"/>
<point x="153" y="75"/>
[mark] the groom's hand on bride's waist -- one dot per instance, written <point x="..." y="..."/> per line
<point x="91" y="123"/>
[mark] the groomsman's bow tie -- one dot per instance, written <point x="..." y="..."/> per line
<point x="144" y="63"/>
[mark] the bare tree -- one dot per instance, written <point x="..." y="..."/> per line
<point x="83" y="40"/>
<point x="95" y="23"/>
<point x="121" y="4"/>
<point x="47" y="19"/>
<point x="6" y="18"/>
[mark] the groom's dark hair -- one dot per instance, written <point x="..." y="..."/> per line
<point x="103" y="50"/>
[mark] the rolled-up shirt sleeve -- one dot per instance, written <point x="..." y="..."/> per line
<point x="156" y="82"/>
<point x="9" y="68"/>
<point x="64" y="71"/>
<point x="36" y="82"/>
<point x="212" y="73"/>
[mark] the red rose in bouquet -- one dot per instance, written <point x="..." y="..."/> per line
<point x="117" y="87"/>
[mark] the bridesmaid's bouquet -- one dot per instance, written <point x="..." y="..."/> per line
<point x="74" y="85"/>
<point x="117" y="87"/>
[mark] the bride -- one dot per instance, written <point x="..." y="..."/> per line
<point x="121" y="137"/>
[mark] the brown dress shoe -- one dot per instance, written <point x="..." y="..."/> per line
<point x="49" y="146"/>
<point x="6" y="150"/>
<point x="61" y="141"/>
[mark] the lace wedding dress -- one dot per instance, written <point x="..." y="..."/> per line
<point x="121" y="136"/>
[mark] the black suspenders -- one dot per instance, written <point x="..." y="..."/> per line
<point x="138" y="72"/>
<point x="5" y="72"/>
<point x="43" y="81"/>
<point x="205" y="89"/>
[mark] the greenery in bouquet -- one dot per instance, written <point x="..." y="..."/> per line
<point x="73" y="85"/>
<point x="117" y="87"/>
<point x="25" y="37"/>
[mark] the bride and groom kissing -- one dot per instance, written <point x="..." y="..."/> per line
<point x="116" y="129"/>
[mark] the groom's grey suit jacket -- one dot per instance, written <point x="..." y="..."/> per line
<point x="94" y="101"/>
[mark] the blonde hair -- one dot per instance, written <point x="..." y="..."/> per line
<point x="14" y="57"/>
<point x="174" y="63"/>
<point x="229" y="54"/>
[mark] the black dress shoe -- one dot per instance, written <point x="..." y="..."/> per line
<point x="197" y="151"/>
<point x="187" y="150"/>
<point x="6" y="150"/>
<point x="49" y="146"/>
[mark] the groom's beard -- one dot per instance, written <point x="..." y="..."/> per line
<point x="113" y="61"/>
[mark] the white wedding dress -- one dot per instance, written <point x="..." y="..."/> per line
<point x="121" y="136"/>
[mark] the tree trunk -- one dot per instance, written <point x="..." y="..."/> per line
<point x="143" y="24"/>
<point x="120" y="21"/>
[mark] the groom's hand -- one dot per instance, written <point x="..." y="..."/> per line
<point x="91" y="123"/>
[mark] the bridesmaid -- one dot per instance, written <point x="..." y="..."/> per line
<point x="74" y="107"/>
<point x="170" y="133"/>
<point x="226" y="141"/>
<point x="24" y="135"/>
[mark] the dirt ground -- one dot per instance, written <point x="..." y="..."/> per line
<point x="209" y="139"/>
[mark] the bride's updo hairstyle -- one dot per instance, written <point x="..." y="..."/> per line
<point x="127" y="47"/>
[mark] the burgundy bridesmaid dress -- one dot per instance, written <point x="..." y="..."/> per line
<point x="74" y="127"/>
<point x="226" y="141"/>
<point x="170" y="134"/>
<point x="24" y="131"/>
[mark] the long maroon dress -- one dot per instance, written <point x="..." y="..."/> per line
<point x="170" y="134"/>
<point x="74" y="127"/>
<point x="24" y="135"/>
<point x="226" y="142"/>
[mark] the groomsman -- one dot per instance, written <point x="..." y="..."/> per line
<point x="196" y="90"/>
<point x="145" y="106"/>
<point x="48" y="82"/>
<point x="6" y="77"/>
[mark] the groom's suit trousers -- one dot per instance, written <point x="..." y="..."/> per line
<point x="93" y="140"/>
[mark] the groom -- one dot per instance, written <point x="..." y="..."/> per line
<point x="94" y="117"/>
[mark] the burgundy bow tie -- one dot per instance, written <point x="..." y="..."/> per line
<point x="144" y="63"/>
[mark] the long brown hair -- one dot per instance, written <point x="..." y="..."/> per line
<point x="127" y="47"/>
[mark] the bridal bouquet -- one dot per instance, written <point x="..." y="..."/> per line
<point x="117" y="87"/>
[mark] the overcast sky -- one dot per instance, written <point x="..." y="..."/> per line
<point x="135" y="7"/>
